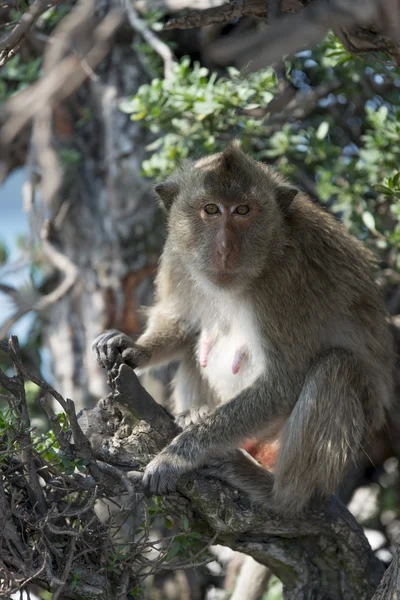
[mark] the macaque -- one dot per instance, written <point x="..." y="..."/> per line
<point x="271" y="307"/>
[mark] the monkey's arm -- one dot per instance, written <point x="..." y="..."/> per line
<point x="164" y="340"/>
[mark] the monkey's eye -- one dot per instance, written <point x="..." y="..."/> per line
<point x="243" y="209"/>
<point x="211" y="209"/>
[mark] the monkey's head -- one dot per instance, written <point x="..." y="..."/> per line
<point x="226" y="215"/>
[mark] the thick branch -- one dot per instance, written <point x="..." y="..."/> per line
<point x="390" y="585"/>
<point x="353" y="21"/>
<point x="219" y="14"/>
<point x="324" y="550"/>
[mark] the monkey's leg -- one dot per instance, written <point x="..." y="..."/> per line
<point x="324" y="432"/>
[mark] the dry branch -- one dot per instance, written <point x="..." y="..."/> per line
<point x="28" y="300"/>
<point x="322" y="552"/>
<point x="158" y="45"/>
<point x="61" y="81"/>
<point x="390" y="585"/>
<point x="172" y="6"/>
<point x="10" y="44"/>
<point x="294" y="549"/>
<point x="350" y="20"/>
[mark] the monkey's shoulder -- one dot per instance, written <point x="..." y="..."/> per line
<point x="324" y="240"/>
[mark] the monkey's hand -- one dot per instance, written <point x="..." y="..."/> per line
<point x="109" y="344"/>
<point x="162" y="473"/>
<point x="192" y="416"/>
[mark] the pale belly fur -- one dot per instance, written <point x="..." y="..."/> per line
<point x="230" y="353"/>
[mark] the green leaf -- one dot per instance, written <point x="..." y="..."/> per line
<point x="173" y="551"/>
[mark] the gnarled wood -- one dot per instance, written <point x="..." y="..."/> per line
<point x="321" y="554"/>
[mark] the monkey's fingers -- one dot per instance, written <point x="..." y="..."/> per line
<point x="108" y="345"/>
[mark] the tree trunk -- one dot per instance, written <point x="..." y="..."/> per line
<point x="102" y="218"/>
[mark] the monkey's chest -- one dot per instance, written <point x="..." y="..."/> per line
<point x="231" y="358"/>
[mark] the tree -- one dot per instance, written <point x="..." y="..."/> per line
<point x="326" y="118"/>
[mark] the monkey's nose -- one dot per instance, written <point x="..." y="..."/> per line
<point x="223" y="255"/>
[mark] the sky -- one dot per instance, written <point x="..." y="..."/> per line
<point x="13" y="222"/>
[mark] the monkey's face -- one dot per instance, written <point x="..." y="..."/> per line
<point x="225" y="239"/>
<point x="225" y="216"/>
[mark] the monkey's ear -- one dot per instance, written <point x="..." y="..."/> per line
<point x="167" y="193"/>
<point x="285" y="196"/>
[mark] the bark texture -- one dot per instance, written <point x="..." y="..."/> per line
<point x="322" y="554"/>
<point x="103" y="218"/>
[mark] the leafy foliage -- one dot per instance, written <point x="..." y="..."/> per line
<point x="16" y="75"/>
<point x="338" y="138"/>
<point x="23" y="69"/>
<point x="195" y="112"/>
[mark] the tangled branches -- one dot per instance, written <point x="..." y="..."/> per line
<point x="74" y="519"/>
<point x="70" y="523"/>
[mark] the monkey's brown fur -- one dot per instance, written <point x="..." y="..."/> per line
<point x="285" y="287"/>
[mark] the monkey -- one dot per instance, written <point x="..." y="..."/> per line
<point x="271" y="306"/>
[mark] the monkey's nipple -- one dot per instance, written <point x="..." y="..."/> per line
<point x="240" y="356"/>
<point x="205" y="347"/>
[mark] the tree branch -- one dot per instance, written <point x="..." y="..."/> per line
<point x="390" y="585"/>
<point x="352" y="21"/>
<point x="158" y="45"/>
<point x="63" y="78"/>
<point x="219" y="14"/>
<point x="294" y="549"/>
<point x="291" y="34"/>
<point x="10" y="44"/>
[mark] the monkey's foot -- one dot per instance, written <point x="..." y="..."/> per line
<point x="162" y="473"/>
